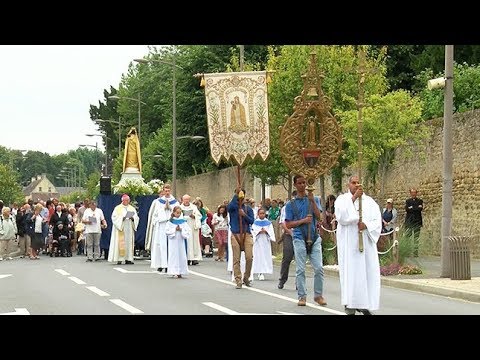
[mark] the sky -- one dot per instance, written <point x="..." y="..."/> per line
<point x="46" y="92"/>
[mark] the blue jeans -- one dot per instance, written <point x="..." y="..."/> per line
<point x="316" y="261"/>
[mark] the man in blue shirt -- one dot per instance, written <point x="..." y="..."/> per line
<point x="241" y="237"/>
<point x="300" y="213"/>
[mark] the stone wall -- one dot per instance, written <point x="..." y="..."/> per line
<point x="419" y="167"/>
<point x="423" y="169"/>
<point x="213" y="187"/>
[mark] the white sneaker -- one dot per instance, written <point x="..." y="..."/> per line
<point x="1" y="259"/>
<point x="9" y="258"/>
<point x="261" y="277"/>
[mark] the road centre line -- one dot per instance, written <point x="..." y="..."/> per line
<point x="278" y="296"/>
<point x="77" y="280"/>
<point x="125" y="306"/>
<point x="62" y="272"/>
<point x="221" y="308"/>
<point x="97" y="291"/>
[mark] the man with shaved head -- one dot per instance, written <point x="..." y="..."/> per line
<point x="193" y="217"/>
<point x="359" y="270"/>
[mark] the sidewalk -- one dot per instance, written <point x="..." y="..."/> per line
<point x="430" y="281"/>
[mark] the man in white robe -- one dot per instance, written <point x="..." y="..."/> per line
<point x="156" y="239"/>
<point x="193" y="217"/>
<point x="125" y="221"/>
<point x="359" y="271"/>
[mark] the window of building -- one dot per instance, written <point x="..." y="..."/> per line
<point x="39" y="189"/>
<point x="49" y="189"/>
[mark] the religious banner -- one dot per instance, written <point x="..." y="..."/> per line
<point x="237" y="112"/>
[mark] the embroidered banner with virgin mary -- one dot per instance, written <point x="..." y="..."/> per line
<point x="237" y="112"/>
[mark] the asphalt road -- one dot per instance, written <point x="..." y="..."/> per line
<point x="71" y="286"/>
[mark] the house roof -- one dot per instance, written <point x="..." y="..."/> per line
<point x="44" y="196"/>
<point x="27" y="190"/>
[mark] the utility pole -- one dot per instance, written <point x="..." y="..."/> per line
<point x="447" y="163"/>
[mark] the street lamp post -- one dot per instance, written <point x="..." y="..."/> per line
<point x="174" y="113"/>
<point x="116" y="97"/>
<point x="119" y="122"/>
<point x="106" y="150"/>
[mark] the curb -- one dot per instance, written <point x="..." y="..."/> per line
<point x="407" y="285"/>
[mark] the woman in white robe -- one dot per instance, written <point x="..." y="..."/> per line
<point x="359" y="271"/>
<point x="178" y="232"/>
<point x="263" y="233"/>
<point x="125" y="221"/>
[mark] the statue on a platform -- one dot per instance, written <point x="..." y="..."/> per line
<point x="132" y="159"/>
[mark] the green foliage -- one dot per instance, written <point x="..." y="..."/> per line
<point x="118" y="168"/>
<point x="73" y="197"/>
<point x="389" y="121"/>
<point x="329" y="256"/>
<point x="404" y="62"/>
<point x="465" y="87"/>
<point x="10" y="189"/>
<point x="339" y="64"/>
<point x="406" y="246"/>
<point x="93" y="185"/>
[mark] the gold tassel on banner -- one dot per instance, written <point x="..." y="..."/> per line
<point x="202" y="82"/>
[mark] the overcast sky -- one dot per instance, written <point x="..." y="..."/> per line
<point x="46" y="92"/>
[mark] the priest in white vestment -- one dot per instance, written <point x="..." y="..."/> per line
<point x="125" y="221"/>
<point x="156" y="239"/>
<point x="194" y="220"/>
<point x="359" y="271"/>
<point x="262" y="233"/>
<point x="178" y="232"/>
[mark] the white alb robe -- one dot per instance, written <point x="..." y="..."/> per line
<point x="156" y="239"/>
<point x="193" y="243"/>
<point x="359" y="271"/>
<point x="123" y="234"/>
<point x="177" y="240"/>
<point x="262" y="247"/>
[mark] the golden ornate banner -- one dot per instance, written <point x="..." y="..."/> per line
<point x="237" y="112"/>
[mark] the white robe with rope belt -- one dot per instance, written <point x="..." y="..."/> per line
<point x="359" y="271"/>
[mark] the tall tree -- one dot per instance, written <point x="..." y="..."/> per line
<point x="10" y="189"/>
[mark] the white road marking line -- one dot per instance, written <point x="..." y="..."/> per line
<point x="221" y="308"/>
<point x="62" y="272"/>
<point x="136" y="271"/>
<point x="5" y="276"/>
<point x="77" y="280"/>
<point x="233" y="312"/>
<point x="278" y="296"/>
<point x="18" y="311"/>
<point x="287" y="313"/>
<point x="97" y="291"/>
<point x="125" y="306"/>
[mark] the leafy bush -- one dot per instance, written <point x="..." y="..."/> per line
<point x="329" y="256"/>
<point x="465" y="87"/>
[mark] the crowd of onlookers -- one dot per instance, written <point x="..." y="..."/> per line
<point x="42" y="227"/>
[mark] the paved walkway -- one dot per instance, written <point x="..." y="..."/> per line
<point x="430" y="281"/>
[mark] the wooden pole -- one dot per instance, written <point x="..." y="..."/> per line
<point x="360" y="105"/>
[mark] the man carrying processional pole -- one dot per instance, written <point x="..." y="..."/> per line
<point x="359" y="224"/>
<point x="238" y="127"/>
<point x="310" y="143"/>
